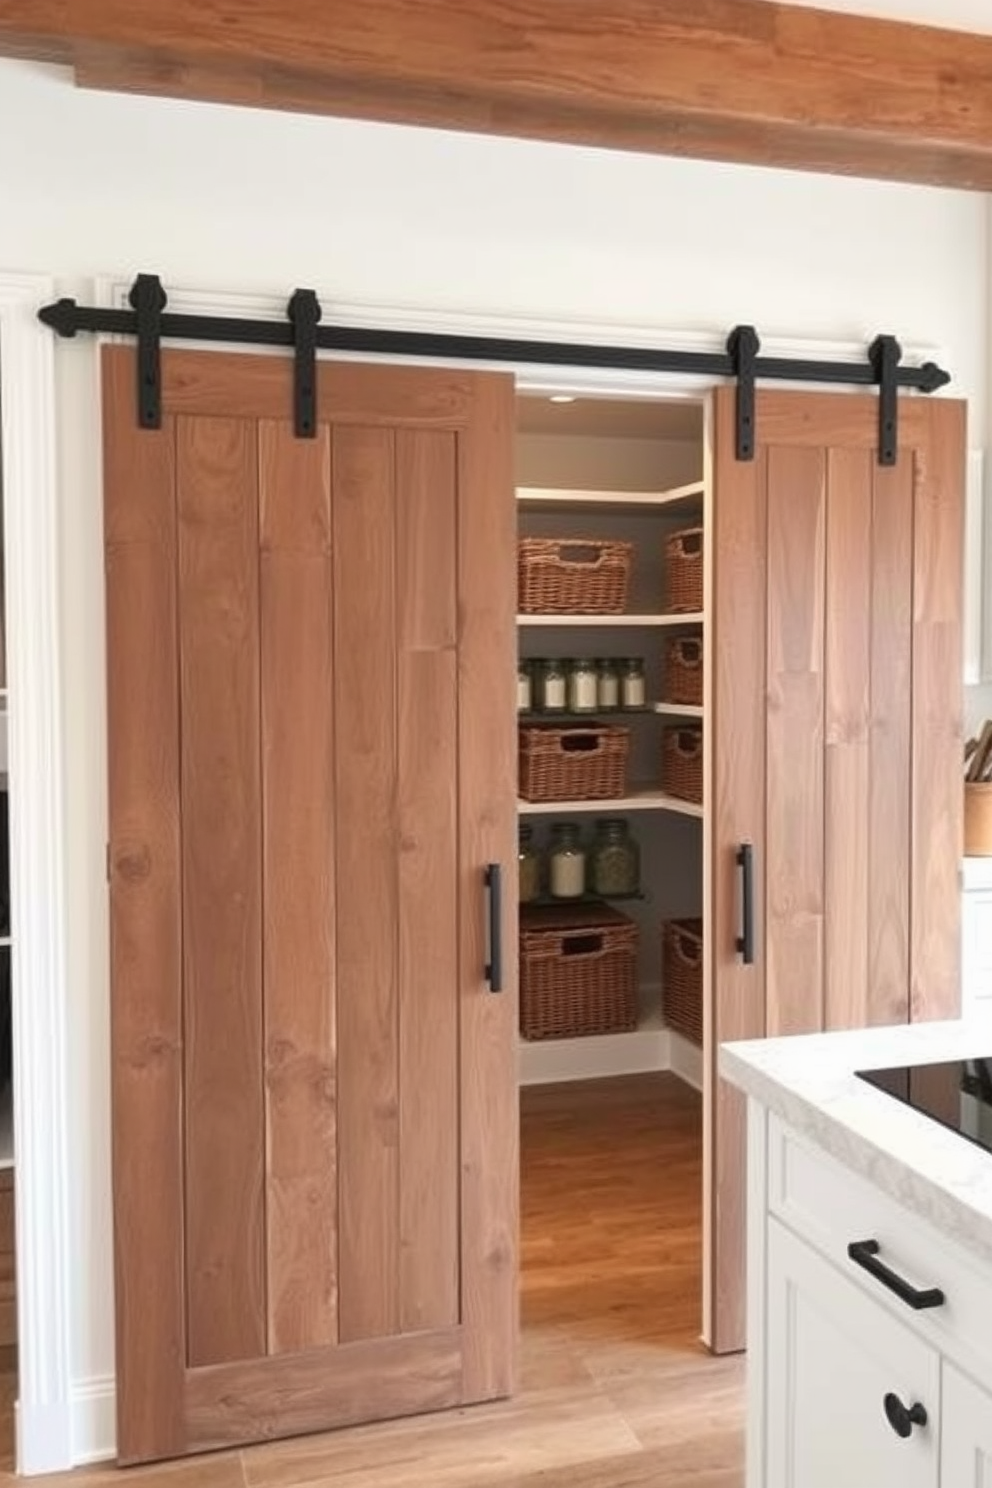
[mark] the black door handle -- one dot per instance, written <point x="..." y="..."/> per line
<point x="745" y="941"/>
<point x="903" y="1418"/>
<point x="864" y="1253"/>
<point x="493" y="879"/>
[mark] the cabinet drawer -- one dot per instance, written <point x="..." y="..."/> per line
<point x="830" y="1206"/>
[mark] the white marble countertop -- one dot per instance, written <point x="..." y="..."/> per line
<point x="810" y="1082"/>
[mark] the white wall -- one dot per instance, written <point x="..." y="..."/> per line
<point x="216" y="198"/>
<point x="960" y="15"/>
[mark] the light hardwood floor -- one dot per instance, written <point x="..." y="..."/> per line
<point x="616" y="1391"/>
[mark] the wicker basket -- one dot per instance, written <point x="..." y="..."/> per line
<point x="578" y="972"/>
<point x="684" y="570"/>
<point x="683" y="682"/>
<point x="577" y="576"/>
<point x="573" y="764"/>
<point x="682" y="762"/>
<point x="682" y="973"/>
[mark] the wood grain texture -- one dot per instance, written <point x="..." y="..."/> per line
<point x="847" y="741"/>
<point x="794" y="842"/>
<point x="938" y="716"/>
<point x="426" y="513"/>
<point x="739" y="647"/>
<point x="298" y="887"/>
<point x="741" y="80"/>
<point x="366" y="872"/>
<point x="889" y="811"/>
<point x="145" y="919"/>
<point x="221" y="864"/>
<point x="487" y="790"/>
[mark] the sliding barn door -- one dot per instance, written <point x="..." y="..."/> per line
<point x="310" y="649"/>
<point x="837" y="742"/>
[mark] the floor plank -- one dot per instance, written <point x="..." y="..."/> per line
<point x="615" y="1390"/>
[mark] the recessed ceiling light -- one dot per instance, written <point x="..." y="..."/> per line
<point x="562" y="398"/>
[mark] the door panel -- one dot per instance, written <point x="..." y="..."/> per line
<point x="321" y="633"/>
<point x="838" y="757"/>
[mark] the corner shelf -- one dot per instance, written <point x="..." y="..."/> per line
<point x="605" y="716"/>
<point x="646" y="798"/>
<point x="634" y="622"/>
<point x="679" y="501"/>
<point x="548" y="901"/>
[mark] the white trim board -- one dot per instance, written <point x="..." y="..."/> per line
<point x="37" y="844"/>
<point x="643" y="1051"/>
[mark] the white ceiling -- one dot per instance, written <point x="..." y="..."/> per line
<point x="957" y="15"/>
<point x="610" y="418"/>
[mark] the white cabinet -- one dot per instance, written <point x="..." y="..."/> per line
<point x="843" y="1379"/>
<point x="966" y="1449"/>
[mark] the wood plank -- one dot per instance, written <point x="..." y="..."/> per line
<point x="145" y="924"/>
<point x="487" y="833"/>
<point x="795" y="700"/>
<point x="847" y="688"/>
<point x="743" y="80"/>
<point x="427" y="785"/>
<point x="737" y="994"/>
<point x="258" y="1399"/>
<point x="938" y="716"/>
<point x="298" y="887"/>
<point x="889" y="836"/>
<point x="365" y="746"/>
<point x="221" y="811"/>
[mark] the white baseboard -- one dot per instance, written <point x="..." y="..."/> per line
<point x="43" y="1434"/>
<point x="94" y="1420"/>
<point x="685" y="1059"/>
<point x="553" y="1061"/>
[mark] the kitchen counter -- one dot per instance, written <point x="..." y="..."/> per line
<point x="810" y="1082"/>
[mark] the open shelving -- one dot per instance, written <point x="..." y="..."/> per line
<point x="631" y="622"/>
<point x="641" y="798"/>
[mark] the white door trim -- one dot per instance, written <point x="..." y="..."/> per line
<point x="36" y="744"/>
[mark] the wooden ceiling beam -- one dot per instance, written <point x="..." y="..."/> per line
<point x="739" y="80"/>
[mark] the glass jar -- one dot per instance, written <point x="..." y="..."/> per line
<point x="528" y="866"/>
<point x="582" y="692"/>
<point x="607" y="684"/>
<point x="566" y="862"/>
<point x="615" y="865"/>
<point x="632" y="693"/>
<point x="554" y="687"/>
<point x="525" y="693"/>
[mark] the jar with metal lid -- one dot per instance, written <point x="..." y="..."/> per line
<point x="607" y="684"/>
<point x="566" y="862"/>
<point x="582" y="686"/>
<point x="525" y="690"/>
<point x="615" y="863"/>
<point x="553" y="687"/>
<point x="632" y="691"/>
<point x="528" y="865"/>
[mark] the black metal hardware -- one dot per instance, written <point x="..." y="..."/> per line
<point x="304" y="312"/>
<point x="864" y="1253"/>
<point x="149" y="300"/>
<point x="742" y="348"/>
<point x="885" y="354"/>
<point x="903" y="1418"/>
<point x="744" y="858"/>
<point x="67" y="318"/>
<point x="493" y="879"/>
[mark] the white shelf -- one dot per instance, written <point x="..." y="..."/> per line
<point x="544" y="498"/>
<point x="6" y="1127"/>
<point x="696" y="617"/>
<point x="645" y="798"/>
<point x="680" y="710"/>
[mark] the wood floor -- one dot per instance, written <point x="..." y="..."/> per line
<point x="616" y="1392"/>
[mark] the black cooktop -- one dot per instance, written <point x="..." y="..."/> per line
<point x="958" y="1094"/>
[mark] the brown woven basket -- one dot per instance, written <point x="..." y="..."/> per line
<point x="682" y="972"/>
<point x="684" y="570"/>
<point x="575" y="576"/>
<point x="682" y="762"/>
<point x="578" y="972"/>
<point x="573" y="764"/>
<point x="683" y="681"/>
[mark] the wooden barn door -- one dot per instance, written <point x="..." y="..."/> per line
<point x="312" y="760"/>
<point x="837" y="742"/>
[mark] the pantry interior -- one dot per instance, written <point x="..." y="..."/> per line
<point x="628" y="471"/>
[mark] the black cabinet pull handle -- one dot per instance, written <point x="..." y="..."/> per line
<point x="903" y="1418"/>
<point x="864" y="1253"/>
<point x="745" y="941"/>
<point x="493" y="879"/>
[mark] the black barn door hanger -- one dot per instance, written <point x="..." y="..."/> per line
<point x="150" y="322"/>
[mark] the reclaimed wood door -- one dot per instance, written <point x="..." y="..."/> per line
<point x="311" y="762"/>
<point x="837" y="744"/>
